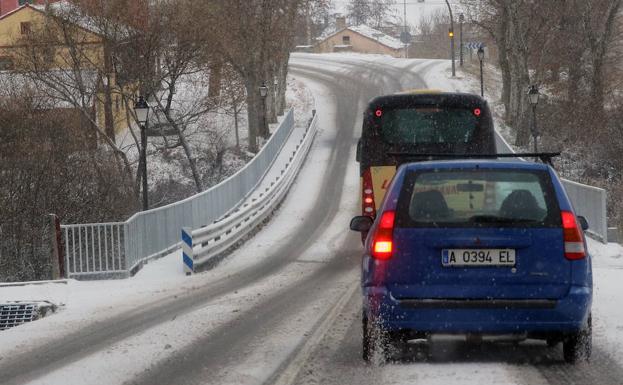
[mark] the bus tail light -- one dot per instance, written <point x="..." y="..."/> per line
<point x="383" y="239"/>
<point x="367" y="195"/>
<point x="574" y="241"/>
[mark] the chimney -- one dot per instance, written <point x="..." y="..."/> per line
<point x="340" y="22"/>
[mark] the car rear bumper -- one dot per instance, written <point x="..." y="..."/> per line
<point x="564" y="315"/>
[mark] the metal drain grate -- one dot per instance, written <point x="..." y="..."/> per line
<point x="14" y="314"/>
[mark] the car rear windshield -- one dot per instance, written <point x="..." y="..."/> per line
<point x="428" y="125"/>
<point x="478" y="198"/>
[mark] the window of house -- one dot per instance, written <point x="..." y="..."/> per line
<point x="25" y="28"/>
<point x="24" y="2"/>
<point x="346" y="40"/>
<point x="6" y="63"/>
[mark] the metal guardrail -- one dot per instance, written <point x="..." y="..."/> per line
<point x="204" y="245"/>
<point x="118" y="249"/>
<point x="588" y="201"/>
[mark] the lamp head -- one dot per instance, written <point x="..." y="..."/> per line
<point x="533" y="94"/>
<point x="481" y="53"/>
<point x="263" y="90"/>
<point x="141" y="108"/>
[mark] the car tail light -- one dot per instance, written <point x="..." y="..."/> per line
<point x="574" y="241"/>
<point x="382" y="241"/>
<point x="367" y="199"/>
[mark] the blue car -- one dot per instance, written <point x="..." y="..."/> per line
<point x="478" y="248"/>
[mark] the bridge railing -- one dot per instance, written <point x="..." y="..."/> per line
<point x="207" y="245"/>
<point x="115" y="250"/>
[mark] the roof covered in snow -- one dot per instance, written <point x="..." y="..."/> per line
<point x="72" y="13"/>
<point x="370" y="33"/>
<point x="377" y="35"/>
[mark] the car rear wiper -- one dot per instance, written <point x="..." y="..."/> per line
<point x="497" y="219"/>
<point x="546" y="157"/>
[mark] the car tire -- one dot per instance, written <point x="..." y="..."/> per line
<point x="578" y="346"/>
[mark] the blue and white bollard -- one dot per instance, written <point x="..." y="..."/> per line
<point x="187" y="250"/>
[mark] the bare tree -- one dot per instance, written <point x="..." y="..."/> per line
<point x="381" y="11"/>
<point x="234" y="97"/>
<point x="359" y="11"/>
<point x="70" y="64"/>
<point x="255" y="38"/>
<point x="177" y="52"/>
<point x="374" y="12"/>
<point x="49" y="164"/>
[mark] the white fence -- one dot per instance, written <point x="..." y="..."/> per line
<point x="110" y="250"/>
<point x="588" y="201"/>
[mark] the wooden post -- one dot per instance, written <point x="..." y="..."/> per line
<point x="57" y="260"/>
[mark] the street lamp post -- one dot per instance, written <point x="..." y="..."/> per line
<point x="451" y="34"/>
<point x="406" y="53"/>
<point x="481" y="57"/>
<point x="264" y="94"/>
<point x="276" y="94"/>
<point x="461" y="20"/>
<point x="141" y="108"/>
<point x="533" y="95"/>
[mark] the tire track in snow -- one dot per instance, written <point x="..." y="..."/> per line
<point x="41" y="360"/>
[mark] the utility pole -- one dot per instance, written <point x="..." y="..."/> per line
<point x="405" y="29"/>
<point x="451" y="34"/>
<point x="308" y="25"/>
<point x="481" y="58"/>
<point x="461" y="20"/>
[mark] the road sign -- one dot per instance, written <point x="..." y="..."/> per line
<point x="405" y="37"/>
<point x="474" y="45"/>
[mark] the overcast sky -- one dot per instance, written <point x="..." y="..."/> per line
<point x="415" y="9"/>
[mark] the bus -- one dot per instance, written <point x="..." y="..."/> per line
<point x="398" y="127"/>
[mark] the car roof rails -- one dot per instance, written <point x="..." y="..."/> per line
<point x="545" y="157"/>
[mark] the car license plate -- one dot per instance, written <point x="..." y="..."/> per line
<point x="478" y="257"/>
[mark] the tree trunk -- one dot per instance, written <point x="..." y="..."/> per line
<point x="191" y="161"/>
<point x="308" y="22"/>
<point x="597" y="89"/>
<point x="575" y="44"/>
<point x="599" y="48"/>
<point x="502" y="36"/>
<point x="109" y="121"/>
<point x="253" y="112"/>
<point x="573" y="84"/>
<point x="518" y="61"/>
<point x="271" y="98"/>
<point x="283" y="84"/>
<point x="236" y="126"/>
<point x="214" y="86"/>
<point x="182" y="138"/>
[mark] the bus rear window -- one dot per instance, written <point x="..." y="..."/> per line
<point x="427" y="125"/>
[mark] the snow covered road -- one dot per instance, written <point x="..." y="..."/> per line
<point x="285" y="307"/>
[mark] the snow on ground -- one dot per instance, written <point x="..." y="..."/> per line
<point x="608" y="296"/>
<point x="83" y="303"/>
<point x="209" y="133"/>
